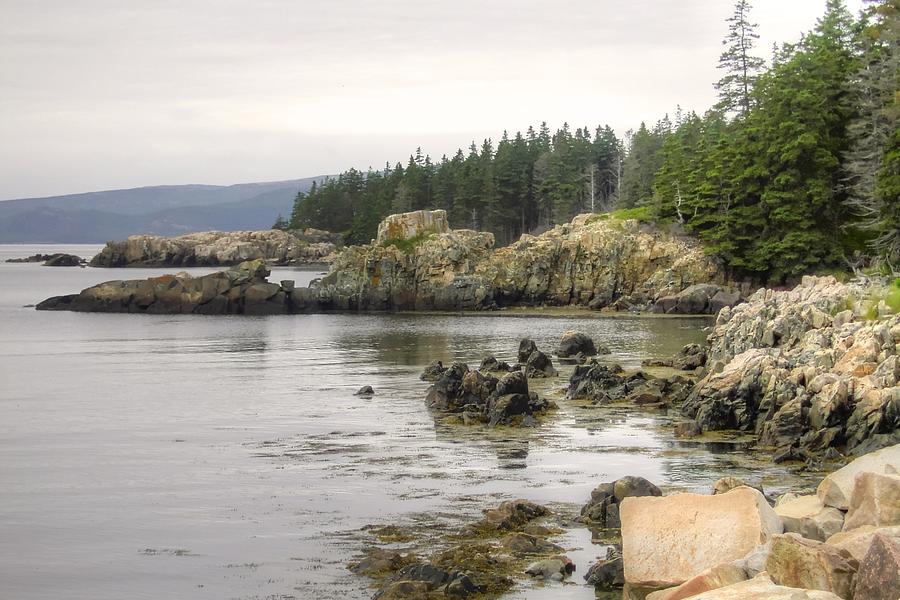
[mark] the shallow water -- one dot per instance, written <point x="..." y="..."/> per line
<point x="149" y="456"/>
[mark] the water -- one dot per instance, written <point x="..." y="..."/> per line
<point x="149" y="456"/>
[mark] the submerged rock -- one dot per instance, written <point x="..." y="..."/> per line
<point x="365" y="391"/>
<point x="575" y="342"/>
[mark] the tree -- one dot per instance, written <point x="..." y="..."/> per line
<point x="741" y="67"/>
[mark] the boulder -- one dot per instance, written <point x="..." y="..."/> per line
<point x="693" y="300"/>
<point x="603" y="507"/>
<point x="761" y="587"/>
<point x="632" y="487"/>
<point x="668" y="540"/>
<point x="63" y="260"/>
<point x="526" y="348"/>
<point x="724" y="485"/>
<point x="503" y="409"/>
<point x="836" y="489"/>
<point x="857" y="541"/>
<point x="575" y="342"/>
<point x="512" y="383"/>
<point x="690" y="357"/>
<point x="711" y="579"/>
<point x="522" y="544"/>
<point x="809" y="517"/>
<point x="539" y="365"/>
<point x="607" y="573"/>
<point x="403" y="590"/>
<point x="879" y="571"/>
<point x="875" y="501"/>
<point x="511" y="514"/>
<point x="557" y="568"/>
<point x="798" y="562"/>
<point x="433" y="371"/>
<point x="411" y="225"/>
<point x="365" y="391"/>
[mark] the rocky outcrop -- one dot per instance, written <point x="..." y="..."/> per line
<point x="51" y="260"/>
<point x="806" y="370"/>
<point x="241" y="290"/>
<point x="412" y="225"/>
<point x="218" y="248"/>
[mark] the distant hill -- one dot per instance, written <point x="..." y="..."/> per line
<point x="160" y="210"/>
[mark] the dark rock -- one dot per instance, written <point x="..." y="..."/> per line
<point x="365" y="391"/>
<point x="690" y="357"/>
<point x="446" y="392"/>
<point x="503" y="408"/>
<point x="526" y="348"/>
<point x="63" y="260"/>
<point x="433" y="371"/>
<point x="510" y="515"/>
<point x="723" y="299"/>
<point x="524" y="544"/>
<point x="607" y="574"/>
<point x="512" y="383"/>
<point x="603" y="507"/>
<point x="629" y="486"/>
<point x="539" y="365"/>
<point x="575" y="342"/>
<point x="597" y="383"/>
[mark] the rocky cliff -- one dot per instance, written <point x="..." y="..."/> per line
<point x="215" y="248"/>
<point x="805" y="370"/>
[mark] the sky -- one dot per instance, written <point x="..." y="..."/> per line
<point x="106" y="94"/>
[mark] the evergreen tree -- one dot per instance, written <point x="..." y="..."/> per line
<point x="740" y="65"/>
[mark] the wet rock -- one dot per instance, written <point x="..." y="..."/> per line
<point x="693" y="300"/>
<point x="525" y="544"/>
<point x="690" y="357"/>
<point x="668" y="540"/>
<point x="462" y="586"/>
<point x="809" y="517"/>
<point x="631" y="486"/>
<point x="503" y="409"/>
<point x="712" y="579"/>
<point x="512" y="383"/>
<point x="433" y="371"/>
<point x="510" y="515"/>
<point x="403" y="590"/>
<point x="879" y="571"/>
<point x="365" y="391"/>
<point x="607" y="573"/>
<point x="575" y="342"/>
<point x="491" y="364"/>
<point x="446" y="392"/>
<point x="687" y="429"/>
<point x="797" y="562"/>
<point x="597" y="383"/>
<point x="526" y="348"/>
<point x="837" y="488"/>
<point x="539" y="365"/>
<point x="556" y="567"/>
<point x="603" y="507"/>
<point x="875" y="501"/>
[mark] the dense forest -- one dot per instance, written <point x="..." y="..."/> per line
<point x="796" y="168"/>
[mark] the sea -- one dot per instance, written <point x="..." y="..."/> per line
<point x="220" y="457"/>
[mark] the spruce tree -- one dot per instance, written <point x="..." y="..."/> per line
<point x="740" y="65"/>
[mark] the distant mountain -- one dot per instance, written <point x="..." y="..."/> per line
<point x="160" y="210"/>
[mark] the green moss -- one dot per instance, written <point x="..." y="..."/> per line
<point x="407" y="245"/>
<point x="639" y="213"/>
<point x="892" y="299"/>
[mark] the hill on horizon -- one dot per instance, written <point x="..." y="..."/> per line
<point x="97" y="217"/>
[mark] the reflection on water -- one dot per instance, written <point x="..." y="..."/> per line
<point x="226" y="457"/>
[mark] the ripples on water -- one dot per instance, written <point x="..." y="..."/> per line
<point x="148" y="456"/>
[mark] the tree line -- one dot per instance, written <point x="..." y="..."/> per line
<point x="796" y="168"/>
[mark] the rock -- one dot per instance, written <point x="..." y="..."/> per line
<point x="631" y="487"/>
<point x="365" y="391"/>
<point x="711" y="579"/>
<point x="836" y="489"/>
<point x="603" y="507"/>
<point x="755" y="562"/>
<point x="668" y="540"/>
<point x="875" y="501"/>
<point x="693" y="300"/>
<point x="217" y="248"/>
<point x="504" y="408"/>
<point x="378" y="562"/>
<point x="608" y="573"/>
<point x="524" y="544"/>
<point x="724" y="299"/>
<point x="726" y="484"/>
<point x="809" y="517"/>
<point x="797" y="562"/>
<point x="510" y="515"/>
<point x="407" y="226"/>
<point x="526" y="348"/>
<point x="857" y="541"/>
<point x="512" y="383"/>
<point x="597" y="383"/>
<point x="433" y="371"/>
<point x="879" y="571"/>
<point x="539" y="365"/>
<point x="689" y="358"/>
<point x="575" y="342"/>
<point x="547" y="568"/>
<point x="761" y="587"/>
<point x="447" y="392"/>
<point x="63" y="260"/>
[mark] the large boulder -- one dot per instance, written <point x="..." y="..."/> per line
<point x="809" y="517"/>
<point x="668" y="540"/>
<point x="798" y="562"/>
<point x="575" y="342"/>
<point x="857" y="541"/>
<point x="693" y="300"/>
<point x="406" y="226"/>
<point x="837" y="488"/>
<point x="875" y="501"/>
<point x="603" y="507"/>
<point x="711" y="579"/>
<point x="879" y="571"/>
<point x="761" y="587"/>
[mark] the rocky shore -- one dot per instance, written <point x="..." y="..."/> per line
<point x="842" y="541"/>
<point x="217" y="248"/>
<point x="418" y="263"/>
<point x="51" y="260"/>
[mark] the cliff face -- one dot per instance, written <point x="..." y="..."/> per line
<point x="592" y="262"/>
<point x="215" y="248"/>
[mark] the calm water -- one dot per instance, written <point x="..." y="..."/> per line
<point x="226" y="457"/>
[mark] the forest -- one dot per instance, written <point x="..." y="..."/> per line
<point x="795" y="169"/>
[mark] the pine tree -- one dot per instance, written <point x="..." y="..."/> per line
<point x="740" y="65"/>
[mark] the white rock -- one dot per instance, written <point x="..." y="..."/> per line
<point x="836" y="489"/>
<point x="809" y="517"/>
<point x="875" y="501"/>
<point x="668" y="540"/>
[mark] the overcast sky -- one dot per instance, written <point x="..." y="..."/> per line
<point x="102" y="94"/>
